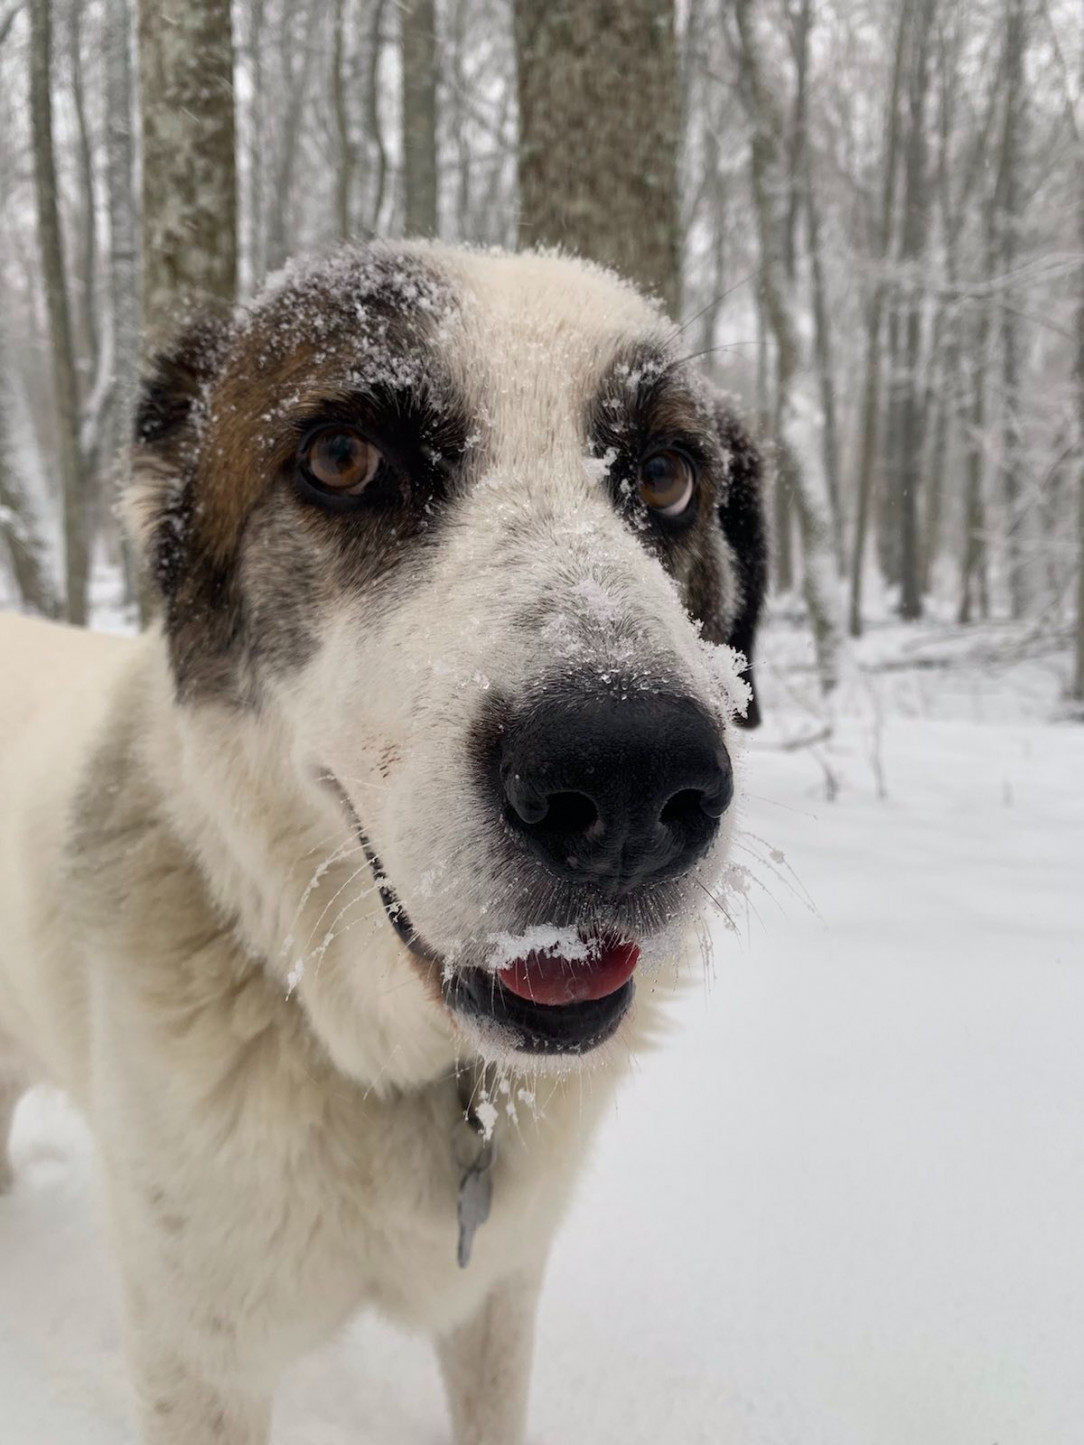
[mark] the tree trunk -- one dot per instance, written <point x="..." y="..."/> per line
<point x="1008" y="217"/>
<point x="912" y="420"/>
<point x="189" y="163"/>
<point x="871" y="395"/>
<point x="124" y="268"/>
<point x="347" y="150"/>
<point x="87" y="223"/>
<point x="598" y="167"/>
<point x="297" y="81"/>
<point x="974" y="587"/>
<point x="18" y="533"/>
<point x="1078" y="678"/>
<point x="373" y="120"/>
<point x="123" y="220"/>
<point x="418" y="43"/>
<point x="65" y="382"/>
<point x="822" y="345"/>
<point x="943" y="381"/>
<point x="252" y="240"/>
<point x="796" y="425"/>
<point x="974" y="561"/>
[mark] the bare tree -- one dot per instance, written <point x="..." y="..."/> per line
<point x="796" y="427"/>
<point x="974" y="586"/>
<point x="123" y="219"/>
<point x="822" y="326"/>
<point x="597" y="166"/>
<point x="18" y="530"/>
<point x="418" y="45"/>
<point x="1008" y="220"/>
<point x="87" y="222"/>
<point x="874" y="319"/>
<point x="911" y="417"/>
<point x="189" y="165"/>
<point x="65" y="379"/>
<point x="1077" y="132"/>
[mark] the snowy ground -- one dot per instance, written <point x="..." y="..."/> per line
<point x="854" y="1180"/>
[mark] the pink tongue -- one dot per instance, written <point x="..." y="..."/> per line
<point x="548" y="980"/>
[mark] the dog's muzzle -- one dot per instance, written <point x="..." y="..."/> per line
<point x="609" y="796"/>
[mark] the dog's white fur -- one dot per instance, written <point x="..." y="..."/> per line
<point x="193" y="948"/>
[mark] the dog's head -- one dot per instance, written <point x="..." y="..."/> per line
<point x="468" y="527"/>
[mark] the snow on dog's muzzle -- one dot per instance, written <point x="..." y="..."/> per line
<point x="562" y="999"/>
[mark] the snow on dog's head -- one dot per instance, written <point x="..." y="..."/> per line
<point x="465" y="529"/>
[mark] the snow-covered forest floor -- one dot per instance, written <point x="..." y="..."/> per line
<point x="843" y="1206"/>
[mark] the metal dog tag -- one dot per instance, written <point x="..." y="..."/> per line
<point x="475" y="1197"/>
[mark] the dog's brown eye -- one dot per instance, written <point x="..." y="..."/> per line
<point x="666" y="482"/>
<point x="341" y="460"/>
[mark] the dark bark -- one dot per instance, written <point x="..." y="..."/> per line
<point x="912" y="416"/>
<point x="65" y="381"/>
<point x="347" y="150"/>
<point x="189" y="164"/>
<point x="418" y="46"/>
<point x="874" y="316"/>
<point x="597" y="166"/>
<point x="1008" y="220"/>
<point x="18" y="531"/>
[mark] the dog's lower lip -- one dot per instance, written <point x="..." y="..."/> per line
<point x="552" y="980"/>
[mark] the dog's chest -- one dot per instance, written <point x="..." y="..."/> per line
<point x="350" y="1199"/>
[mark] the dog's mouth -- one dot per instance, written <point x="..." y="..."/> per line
<point x="546" y="1001"/>
<point x="551" y="1003"/>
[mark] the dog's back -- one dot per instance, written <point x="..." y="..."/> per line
<point x="56" y="690"/>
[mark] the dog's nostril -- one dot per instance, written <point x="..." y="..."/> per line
<point x="684" y="809"/>
<point x="571" y="814"/>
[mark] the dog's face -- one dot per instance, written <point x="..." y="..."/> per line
<point x="470" y="531"/>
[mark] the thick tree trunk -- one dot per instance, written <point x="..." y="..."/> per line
<point x="418" y="46"/>
<point x="871" y="393"/>
<point x="65" y="382"/>
<point x="598" y="161"/>
<point x="189" y="164"/>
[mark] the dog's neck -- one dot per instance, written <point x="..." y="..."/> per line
<point x="281" y="858"/>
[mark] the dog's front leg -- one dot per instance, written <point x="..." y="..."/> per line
<point x="486" y="1364"/>
<point x="191" y="1384"/>
<point x="179" y="1405"/>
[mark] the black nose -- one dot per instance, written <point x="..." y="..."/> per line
<point x="616" y="791"/>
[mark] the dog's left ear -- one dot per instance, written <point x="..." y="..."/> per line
<point x="170" y="410"/>
<point x="745" y="532"/>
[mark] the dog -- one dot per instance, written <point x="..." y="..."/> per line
<point x="326" y="898"/>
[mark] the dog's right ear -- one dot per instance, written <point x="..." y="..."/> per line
<point x="744" y="525"/>
<point x="171" y="407"/>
